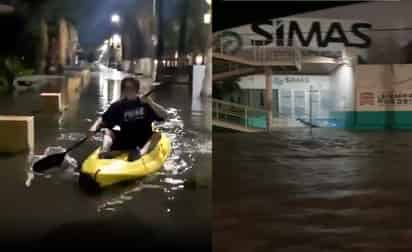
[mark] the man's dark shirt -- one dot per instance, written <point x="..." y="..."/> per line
<point x="134" y="118"/>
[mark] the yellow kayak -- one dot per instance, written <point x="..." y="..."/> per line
<point x="106" y="172"/>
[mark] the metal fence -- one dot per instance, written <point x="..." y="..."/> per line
<point x="247" y="117"/>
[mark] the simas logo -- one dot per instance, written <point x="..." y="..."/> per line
<point x="227" y="42"/>
<point x="335" y="33"/>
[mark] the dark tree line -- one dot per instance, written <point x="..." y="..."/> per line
<point x="179" y="24"/>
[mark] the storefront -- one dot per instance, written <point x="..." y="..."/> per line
<point x="341" y="81"/>
<point x="306" y="98"/>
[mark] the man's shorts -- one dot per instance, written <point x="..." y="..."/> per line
<point x="127" y="142"/>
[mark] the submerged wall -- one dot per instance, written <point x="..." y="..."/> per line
<point x="381" y="97"/>
<point x="384" y="96"/>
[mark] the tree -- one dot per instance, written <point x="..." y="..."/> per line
<point x="184" y="13"/>
<point x="37" y="14"/>
<point x="191" y="35"/>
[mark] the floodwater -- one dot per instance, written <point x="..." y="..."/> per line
<point x="157" y="211"/>
<point x="329" y="190"/>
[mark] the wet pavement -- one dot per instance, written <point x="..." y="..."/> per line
<point x="159" y="210"/>
<point x="331" y="190"/>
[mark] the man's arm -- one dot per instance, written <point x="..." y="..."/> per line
<point x="96" y="126"/>
<point x="107" y="120"/>
<point x="157" y="108"/>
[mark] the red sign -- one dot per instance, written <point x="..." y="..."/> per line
<point x="367" y="98"/>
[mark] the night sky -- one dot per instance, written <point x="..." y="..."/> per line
<point x="228" y="14"/>
<point x="92" y="17"/>
<point x="96" y="26"/>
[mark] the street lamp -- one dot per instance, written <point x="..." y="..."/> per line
<point x="117" y="40"/>
<point x="115" y="18"/>
<point x="199" y="59"/>
<point x="207" y="18"/>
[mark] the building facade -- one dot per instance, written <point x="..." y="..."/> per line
<point x="353" y="72"/>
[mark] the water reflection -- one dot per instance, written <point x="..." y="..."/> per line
<point x="66" y="171"/>
<point x="327" y="191"/>
<point x="186" y="144"/>
<point x="55" y="199"/>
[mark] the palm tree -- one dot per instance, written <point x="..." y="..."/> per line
<point x="38" y="14"/>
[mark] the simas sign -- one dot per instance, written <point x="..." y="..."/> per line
<point x="284" y="32"/>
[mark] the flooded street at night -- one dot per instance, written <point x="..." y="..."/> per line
<point x="331" y="190"/>
<point x="159" y="210"/>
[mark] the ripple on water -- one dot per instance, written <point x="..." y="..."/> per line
<point x="65" y="172"/>
<point x="70" y="136"/>
<point x="168" y="180"/>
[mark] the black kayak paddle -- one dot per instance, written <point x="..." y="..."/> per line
<point x="58" y="158"/>
<point x="55" y="159"/>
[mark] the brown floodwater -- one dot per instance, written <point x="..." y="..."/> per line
<point x="157" y="211"/>
<point x="329" y="190"/>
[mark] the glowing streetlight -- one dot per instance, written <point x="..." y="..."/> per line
<point x="115" y="18"/>
<point x="117" y="40"/>
<point x="199" y="59"/>
<point x="207" y="18"/>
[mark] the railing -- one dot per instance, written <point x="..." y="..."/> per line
<point x="173" y="62"/>
<point x="241" y="115"/>
<point x="251" y="47"/>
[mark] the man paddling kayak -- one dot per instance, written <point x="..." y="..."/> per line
<point x="134" y="115"/>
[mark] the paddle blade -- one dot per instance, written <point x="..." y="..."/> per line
<point x="49" y="162"/>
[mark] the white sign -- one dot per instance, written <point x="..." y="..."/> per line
<point x="306" y="32"/>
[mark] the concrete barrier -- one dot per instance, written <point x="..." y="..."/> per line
<point x="51" y="102"/>
<point x="16" y="134"/>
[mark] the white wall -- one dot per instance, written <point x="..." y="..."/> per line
<point x="342" y="88"/>
<point x="388" y="47"/>
<point x="373" y="81"/>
